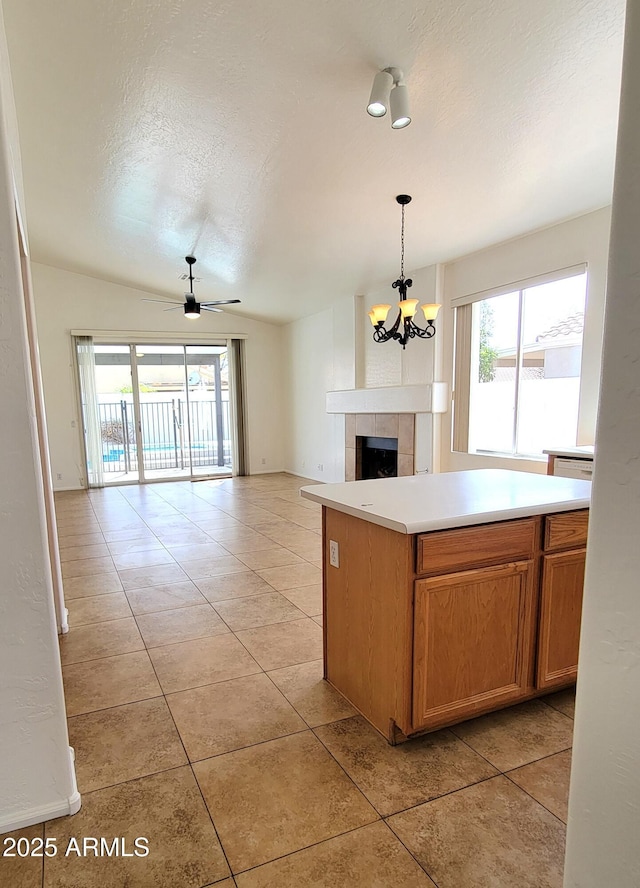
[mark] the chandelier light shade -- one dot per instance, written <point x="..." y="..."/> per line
<point x="390" y="93"/>
<point x="431" y="310"/>
<point x="404" y="327"/>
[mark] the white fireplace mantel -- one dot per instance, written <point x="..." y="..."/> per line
<point x="391" y="399"/>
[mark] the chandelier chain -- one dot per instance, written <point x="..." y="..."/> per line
<point x="402" y="247"/>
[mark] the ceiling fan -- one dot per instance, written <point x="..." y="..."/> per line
<point x="191" y="306"/>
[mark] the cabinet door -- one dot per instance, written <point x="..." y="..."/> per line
<point x="560" y="613"/>
<point x="473" y="642"/>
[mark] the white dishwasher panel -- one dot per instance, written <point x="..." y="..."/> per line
<point x="573" y="468"/>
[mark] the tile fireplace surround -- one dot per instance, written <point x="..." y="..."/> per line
<point x="380" y="425"/>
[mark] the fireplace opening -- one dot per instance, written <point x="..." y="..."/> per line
<point x="376" y="457"/>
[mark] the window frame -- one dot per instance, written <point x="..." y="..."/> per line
<point x="466" y="332"/>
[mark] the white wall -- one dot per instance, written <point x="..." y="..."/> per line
<point x="585" y="239"/>
<point x="320" y="358"/>
<point x="334" y="350"/>
<point x="315" y="365"/>
<point x="387" y="363"/>
<point x="66" y="301"/>
<point x="36" y="774"/>
<point x="604" y="806"/>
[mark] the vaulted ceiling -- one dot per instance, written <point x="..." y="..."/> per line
<point x="236" y="130"/>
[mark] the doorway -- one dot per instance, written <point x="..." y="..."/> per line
<point x="156" y="412"/>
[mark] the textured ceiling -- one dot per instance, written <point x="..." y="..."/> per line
<point x="237" y="130"/>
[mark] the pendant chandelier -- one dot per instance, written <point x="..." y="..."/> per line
<point x="404" y="327"/>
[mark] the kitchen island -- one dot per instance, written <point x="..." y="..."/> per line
<point x="447" y="596"/>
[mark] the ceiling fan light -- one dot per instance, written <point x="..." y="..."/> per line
<point x="431" y="310"/>
<point x="379" y="98"/>
<point x="192" y="310"/>
<point x="399" y="104"/>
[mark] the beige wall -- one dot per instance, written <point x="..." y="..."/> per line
<point x="319" y="360"/>
<point x="604" y="804"/>
<point x="66" y="301"/>
<point x="37" y="780"/>
<point x="585" y="239"/>
<point x="333" y="350"/>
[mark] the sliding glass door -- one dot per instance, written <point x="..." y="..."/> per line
<point x="158" y="411"/>
<point x="208" y="406"/>
<point x="112" y="448"/>
<point x="161" y="388"/>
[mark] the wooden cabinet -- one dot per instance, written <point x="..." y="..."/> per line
<point x="567" y="530"/>
<point x="484" y="544"/>
<point x="425" y="631"/>
<point x="565" y="536"/>
<point x="472" y="642"/>
<point x="560" y="612"/>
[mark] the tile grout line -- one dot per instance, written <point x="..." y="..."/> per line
<point x="517" y="767"/>
<point x="443" y="795"/>
<point x="190" y="765"/>
<point x="410" y="852"/>
<point x="533" y="798"/>
<point x="115" y="706"/>
<point x="295" y="619"/>
<point x="307" y="847"/>
<point x="380" y="818"/>
<point x="164" y="695"/>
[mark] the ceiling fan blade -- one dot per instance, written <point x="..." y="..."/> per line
<point x="175" y="308"/>
<point x="222" y="302"/>
<point x="208" y="308"/>
<point x="163" y="301"/>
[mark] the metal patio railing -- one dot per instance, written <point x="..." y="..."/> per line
<point x="165" y="435"/>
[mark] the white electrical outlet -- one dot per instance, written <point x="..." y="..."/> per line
<point x="263" y="461"/>
<point x="334" y="554"/>
<point x="59" y="476"/>
<point x="320" y="467"/>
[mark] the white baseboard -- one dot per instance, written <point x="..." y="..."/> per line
<point x="267" y="472"/>
<point x="60" y="808"/>
<point x="307" y="477"/>
<point x="64" y="626"/>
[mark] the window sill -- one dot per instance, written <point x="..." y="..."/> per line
<point x="542" y="458"/>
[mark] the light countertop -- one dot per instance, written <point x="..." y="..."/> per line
<point x="585" y="452"/>
<point x="452" y="499"/>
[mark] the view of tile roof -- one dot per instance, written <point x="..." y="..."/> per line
<point x="569" y="326"/>
<point x="508" y="374"/>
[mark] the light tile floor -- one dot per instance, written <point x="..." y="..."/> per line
<point x="200" y="721"/>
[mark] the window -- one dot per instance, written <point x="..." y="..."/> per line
<point x="518" y="360"/>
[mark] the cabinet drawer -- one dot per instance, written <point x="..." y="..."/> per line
<point x="444" y="551"/>
<point x="567" y="530"/>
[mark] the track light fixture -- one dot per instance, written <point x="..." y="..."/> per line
<point x="389" y="91"/>
<point x="404" y="327"/>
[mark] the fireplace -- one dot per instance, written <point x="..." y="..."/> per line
<point x="376" y="457"/>
<point x="392" y="431"/>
